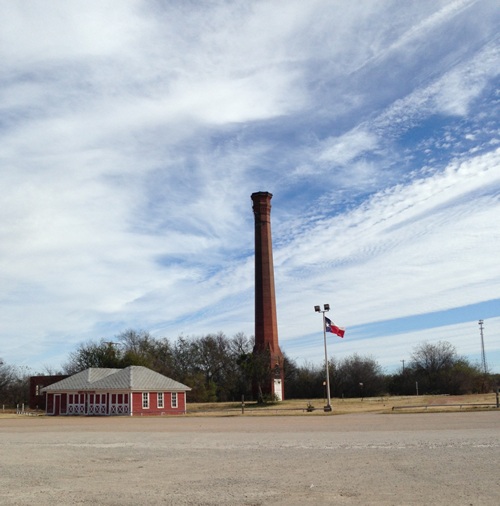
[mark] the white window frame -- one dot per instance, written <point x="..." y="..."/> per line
<point x="159" y="399"/>
<point x="174" y="400"/>
<point x="145" y="400"/>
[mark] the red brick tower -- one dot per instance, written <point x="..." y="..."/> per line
<point x="266" y="324"/>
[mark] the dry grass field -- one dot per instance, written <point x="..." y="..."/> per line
<point x="355" y="405"/>
<point x="340" y="406"/>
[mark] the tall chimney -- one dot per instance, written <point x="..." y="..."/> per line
<point x="266" y="324"/>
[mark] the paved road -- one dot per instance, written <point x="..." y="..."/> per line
<point x="410" y="459"/>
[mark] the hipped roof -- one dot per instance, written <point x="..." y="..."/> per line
<point x="134" y="377"/>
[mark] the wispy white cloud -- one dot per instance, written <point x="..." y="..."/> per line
<point x="132" y="135"/>
<point x="391" y="350"/>
<point x="403" y="239"/>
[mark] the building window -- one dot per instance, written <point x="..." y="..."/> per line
<point x="160" y="399"/>
<point x="174" y="399"/>
<point x="145" y="400"/>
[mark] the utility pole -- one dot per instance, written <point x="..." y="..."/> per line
<point x="483" y="355"/>
<point x="403" y="366"/>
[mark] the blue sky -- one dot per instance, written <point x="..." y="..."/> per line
<point x="133" y="133"/>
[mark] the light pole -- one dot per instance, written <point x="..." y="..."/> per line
<point x="326" y="308"/>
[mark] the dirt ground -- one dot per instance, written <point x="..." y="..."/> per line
<point x="354" y="459"/>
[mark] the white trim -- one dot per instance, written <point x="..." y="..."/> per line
<point x="118" y="408"/>
<point x="77" y="407"/>
<point x="96" y="408"/>
<point x="160" y="405"/>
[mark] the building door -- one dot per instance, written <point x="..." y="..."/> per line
<point x="57" y="404"/>
<point x="96" y="404"/>
<point x="277" y="389"/>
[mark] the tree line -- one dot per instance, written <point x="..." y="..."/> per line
<point x="219" y="368"/>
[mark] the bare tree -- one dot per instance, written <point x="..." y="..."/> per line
<point x="14" y="384"/>
<point x="7" y="376"/>
<point x="432" y="358"/>
<point x="357" y="376"/>
<point x="432" y="365"/>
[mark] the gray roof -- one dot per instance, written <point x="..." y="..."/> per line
<point x="134" y="377"/>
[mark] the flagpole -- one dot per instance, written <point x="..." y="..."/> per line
<point x="326" y="308"/>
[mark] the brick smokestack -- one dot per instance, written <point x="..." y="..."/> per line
<point x="266" y="324"/>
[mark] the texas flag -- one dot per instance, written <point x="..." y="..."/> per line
<point x="331" y="327"/>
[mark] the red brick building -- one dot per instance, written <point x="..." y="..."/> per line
<point x="133" y="391"/>
<point x="37" y="383"/>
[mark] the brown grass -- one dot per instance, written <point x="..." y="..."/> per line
<point x="296" y="407"/>
<point x="342" y="406"/>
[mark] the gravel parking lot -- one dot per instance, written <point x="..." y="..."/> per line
<point x="425" y="458"/>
